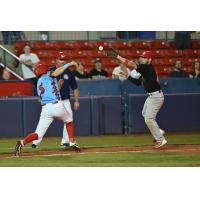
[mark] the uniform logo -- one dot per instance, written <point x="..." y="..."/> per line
<point x="65" y="76"/>
<point x="55" y="90"/>
<point x="41" y="88"/>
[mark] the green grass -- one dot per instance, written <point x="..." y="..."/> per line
<point x="127" y="159"/>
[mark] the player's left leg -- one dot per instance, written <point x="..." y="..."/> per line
<point x="43" y="124"/>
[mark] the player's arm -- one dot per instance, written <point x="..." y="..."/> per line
<point x="76" y="99"/>
<point x="135" y="80"/>
<point x="129" y="63"/>
<point x="61" y="69"/>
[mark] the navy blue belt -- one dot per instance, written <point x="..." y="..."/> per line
<point x="44" y="104"/>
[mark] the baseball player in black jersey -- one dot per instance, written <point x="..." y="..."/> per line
<point x="155" y="98"/>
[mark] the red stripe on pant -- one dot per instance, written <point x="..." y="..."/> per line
<point x="30" y="137"/>
<point x="70" y="130"/>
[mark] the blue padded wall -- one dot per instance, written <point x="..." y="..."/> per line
<point x="11" y="117"/>
<point x="180" y="112"/>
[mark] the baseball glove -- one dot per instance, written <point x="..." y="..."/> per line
<point x="112" y="53"/>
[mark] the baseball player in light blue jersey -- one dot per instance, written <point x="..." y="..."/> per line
<point x="52" y="107"/>
<point x="66" y="81"/>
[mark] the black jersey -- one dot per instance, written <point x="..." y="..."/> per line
<point x="149" y="77"/>
<point x="85" y="75"/>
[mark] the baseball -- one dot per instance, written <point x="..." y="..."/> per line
<point x="100" y="48"/>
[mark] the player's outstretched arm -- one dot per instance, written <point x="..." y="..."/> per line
<point x="130" y="64"/>
<point x="61" y="69"/>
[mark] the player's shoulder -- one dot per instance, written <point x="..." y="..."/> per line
<point x="69" y="73"/>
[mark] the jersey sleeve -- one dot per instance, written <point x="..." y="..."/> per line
<point x="135" y="80"/>
<point x="140" y="68"/>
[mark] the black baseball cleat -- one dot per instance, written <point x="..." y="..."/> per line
<point x="18" y="148"/>
<point x="64" y="145"/>
<point x="75" y="146"/>
<point x="34" y="146"/>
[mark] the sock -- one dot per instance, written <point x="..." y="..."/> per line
<point x="70" y="130"/>
<point x="30" y="137"/>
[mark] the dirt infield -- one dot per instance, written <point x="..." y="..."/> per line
<point x="95" y="150"/>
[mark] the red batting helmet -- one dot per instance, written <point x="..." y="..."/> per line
<point x="40" y="69"/>
<point x="147" y="54"/>
<point x="61" y="55"/>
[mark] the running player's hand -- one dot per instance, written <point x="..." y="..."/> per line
<point x="76" y="105"/>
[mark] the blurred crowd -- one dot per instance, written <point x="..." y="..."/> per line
<point x="97" y="72"/>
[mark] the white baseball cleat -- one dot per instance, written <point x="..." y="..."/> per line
<point x="160" y="144"/>
<point x="162" y="131"/>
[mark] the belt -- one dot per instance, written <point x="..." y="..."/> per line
<point x="44" y="104"/>
<point x="152" y="93"/>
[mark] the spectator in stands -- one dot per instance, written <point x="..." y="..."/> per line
<point x="44" y="35"/>
<point x="98" y="72"/>
<point x="196" y="70"/>
<point x="178" y="72"/>
<point x="119" y="71"/>
<point x="29" y="60"/>
<point x="80" y="73"/>
<point x="5" y="75"/>
<point x="183" y="40"/>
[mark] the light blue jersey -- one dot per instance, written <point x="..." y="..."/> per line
<point x="47" y="89"/>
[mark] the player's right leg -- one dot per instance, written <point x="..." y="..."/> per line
<point x="43" y="125"/>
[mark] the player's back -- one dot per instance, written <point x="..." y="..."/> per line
<point x="47" y="89"/>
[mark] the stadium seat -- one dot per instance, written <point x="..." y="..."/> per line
<point x="95" y="53"/>
<point x="48" y="62"/>
<point x="81" y="45"/>
<point x="121" y="45"/>
<point x="78" y="54"/>
<point x="110" y="62"/>
<point x="171" y="53"/>
<point x="41" y="45"/>
<point x="141" y="45"/>
<point x="160" y="44"/>
<point x="63" y="45"/>
<point x="41" y="54"/>
<point x="192" y="53"/>
<point x="196" y="44"/>
<point x="19" y="45"/>
<point x="106" y="45"/>
<point x="159" y="53"/>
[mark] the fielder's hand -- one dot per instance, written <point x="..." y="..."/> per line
<point x="76" y="105"/>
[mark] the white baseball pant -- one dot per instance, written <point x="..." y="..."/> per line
<point x="69" y="116"/>
<point x="151" y="107"/>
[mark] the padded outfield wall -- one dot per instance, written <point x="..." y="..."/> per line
<point x="109" y="107"/>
